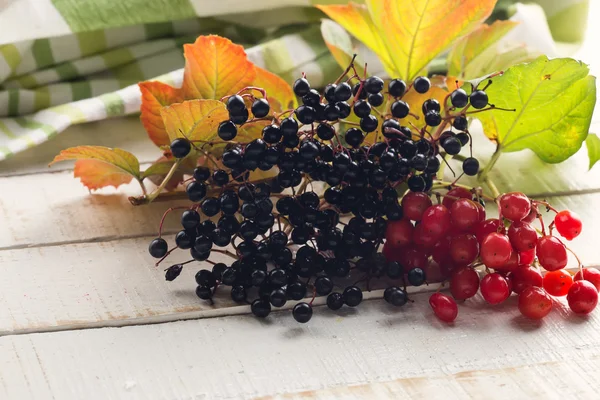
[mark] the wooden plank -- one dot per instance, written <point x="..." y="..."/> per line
<point x="50" y="209"/>
<point x="528" y="381"/>
<point x="242" y="357"/>
<point x="126" y="133"/>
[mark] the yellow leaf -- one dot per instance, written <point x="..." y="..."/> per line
<point x="280" y="93"/>
<point x="194" y="119"/>
<point x="465" y="54"/>
<point x="99" y="166"/>
<point x="214" y="68"/>
<point x="355" y="19"/>
<point x="416" y="31"/>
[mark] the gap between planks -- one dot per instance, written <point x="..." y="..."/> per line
<point x="319" y="301"/>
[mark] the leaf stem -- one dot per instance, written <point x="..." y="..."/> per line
<point x="148" y="198"/>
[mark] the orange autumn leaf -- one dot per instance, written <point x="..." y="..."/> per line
<point x="194" y="119"/>
<point x="156" y="95"/>
<point x="99" y="166"/>
<point x="415" y="32"/>
<point x="214" y="68"/>
<point x="281" y="96"/>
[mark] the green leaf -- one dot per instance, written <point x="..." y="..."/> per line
<point x="469" y="55"/>
<point x="554" y="101"/>
<point x="593" y="147"/>
<point x="160" y="168"/>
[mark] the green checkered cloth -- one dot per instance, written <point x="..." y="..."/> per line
<point x="65" y="62"/>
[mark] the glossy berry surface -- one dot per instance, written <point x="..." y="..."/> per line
<point x="158" y="248"/>
<point x="591" y="275"/>
<point x="180" y="147"/>
<point x="535" y="303"/>
<point x="582" y="297"/>
<point x="557" y="283"/>
<point x="352" y="296"/>
<point x="494" y="288"/>
<point x="335" y="301"/>
<point x="495" y="250"/>
<point x="444" y="307"/>
<point x="551" y="253"/>
<point x="568" y="224"/>
<point x="515" y="206"/>
<point x="464" y="283"/>
<point x="524" y="277"/>
<point x="302" y="312"/>
<point x="260" y="308"/>
<point x="422" y="84"/>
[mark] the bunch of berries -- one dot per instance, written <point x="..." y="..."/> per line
<point x="348" y="204"/>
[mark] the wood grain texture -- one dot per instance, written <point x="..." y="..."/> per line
<point x="50" y="209"/>
<point x="490" y="352"/>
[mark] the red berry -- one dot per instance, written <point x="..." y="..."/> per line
<point x="582" y="297"/>
<point x="464" y="215"/>
<point x="526" y="257"/>
<point x="551" y="253"/>
<point x="441" y="250"/>
<point x="494" y="288"/>
<point x="591" y="275"/>
<point x="455" y="194"/>
<point x="522" y="236"/>
<point x="414" y="205"/>
<point x="464" y="249"/>
<point x="484" y="228"/>
<point x="392" y="253"/>
<point x="464" y="283"/>
<point x="399" y="233"/>
<point x="515" y="206"/>
<point x="424" y="239"/>
<point x="557" y="283"/>
<point x="533" y="214"/>
<point x="436" y="220"/>
<point x="525" y="276"/>
<point x="568" y="224"/>
<point x="509" y="282"/>
<point x="535" y="303"/>
<point x="481" y="211"/>
<point x="444" y="307"/>
<point x="511" y="264"/>
<point x="414" y="258"/>
<point x="495" y="250"/>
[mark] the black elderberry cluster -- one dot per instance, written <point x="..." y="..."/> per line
<point x="289" y="239"/>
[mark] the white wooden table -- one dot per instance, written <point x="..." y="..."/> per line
<point x="84" y="314"/>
